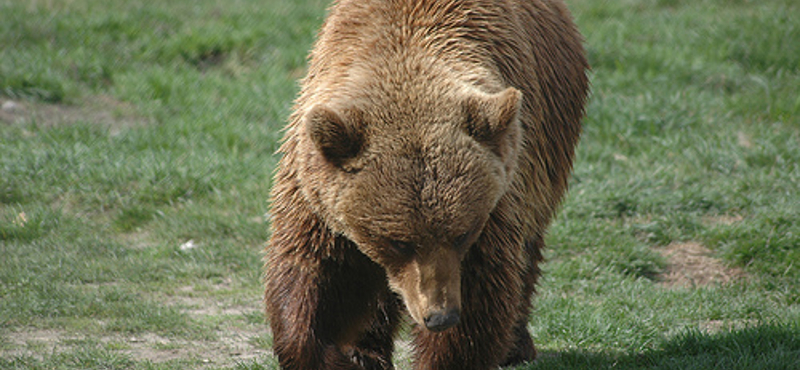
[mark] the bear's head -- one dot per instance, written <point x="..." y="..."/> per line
<point x="412" y="182"/>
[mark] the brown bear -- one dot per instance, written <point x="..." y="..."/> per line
<point x="428" y="150"/>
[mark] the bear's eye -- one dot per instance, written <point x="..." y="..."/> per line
<point x="460" y="243"/>
<point x="403" y="248"/>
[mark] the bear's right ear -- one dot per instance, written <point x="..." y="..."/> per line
<point x="338" y="139"/>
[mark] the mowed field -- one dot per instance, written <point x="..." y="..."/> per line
<point x="137" y="145"/>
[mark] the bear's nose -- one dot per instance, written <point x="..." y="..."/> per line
<point x="438" y="321"/>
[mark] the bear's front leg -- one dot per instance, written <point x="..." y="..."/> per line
<point x="320" y="305"/>
<point x="374" y="349"/>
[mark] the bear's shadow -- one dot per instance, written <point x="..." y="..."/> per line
<point x="767" y="346"/>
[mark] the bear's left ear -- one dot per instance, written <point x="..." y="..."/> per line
<point x="336" y="137"/>
<point x="491" y="118"/>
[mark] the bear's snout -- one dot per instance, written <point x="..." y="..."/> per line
<point x="431" y="288"/>
<point x="441" y="320"/>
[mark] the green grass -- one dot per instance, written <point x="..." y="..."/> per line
<point x="141" y="126"/>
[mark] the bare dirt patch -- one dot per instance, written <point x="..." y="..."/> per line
<point x="101" y="110"/>
<point x="203" y="304"/>
<point x="722" y="220"/>
<point x="229" y="348"/>
<point x="234" y="337"/>
<point x="691" y="265"/>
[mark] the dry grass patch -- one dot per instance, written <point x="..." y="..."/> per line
<point x="99" y="109"/>
<point x="690" y="264"/>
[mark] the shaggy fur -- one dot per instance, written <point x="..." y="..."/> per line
<point x="428" y="150"/>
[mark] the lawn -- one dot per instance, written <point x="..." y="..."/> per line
<point x="137" y="145"/>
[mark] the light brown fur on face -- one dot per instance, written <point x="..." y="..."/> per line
<point x="428" y="150"/>
<point x="431" y="284"/>
<point x="429" y="178"/>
